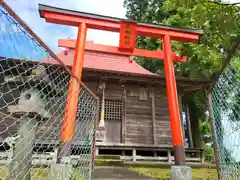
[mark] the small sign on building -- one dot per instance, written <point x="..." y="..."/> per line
<point x="127" y="35"/>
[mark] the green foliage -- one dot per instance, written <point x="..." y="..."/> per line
<point x="206" y="131"/>
<point x="209" y="154"/>
<point x="25" y="58"/>
<point x="221" y="25"/>
<point x="147" y="11"/>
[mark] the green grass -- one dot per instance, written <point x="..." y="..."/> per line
<point x="164" y="174"/>
<point x="36" y="173"/>
<point x="42" y="174"/>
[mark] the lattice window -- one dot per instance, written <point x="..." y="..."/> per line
<point x="113" y="109"/>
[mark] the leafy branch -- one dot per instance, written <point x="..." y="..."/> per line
<point x="220" y="3"/>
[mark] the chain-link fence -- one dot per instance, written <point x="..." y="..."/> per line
<point x="226" y="120"/>
<point x="33" y="94"/>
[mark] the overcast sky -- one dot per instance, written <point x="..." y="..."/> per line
<point x="28" y="11"/>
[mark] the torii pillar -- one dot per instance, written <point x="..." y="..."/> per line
<point x="129" y="30"/>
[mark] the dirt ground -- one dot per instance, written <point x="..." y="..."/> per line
<point x="116" y="173"/>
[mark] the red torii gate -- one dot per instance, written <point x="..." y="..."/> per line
<point x="129" y="30"/>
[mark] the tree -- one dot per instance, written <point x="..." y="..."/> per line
<point x="221" y="25"/>
<point x="146" y="11"/>
<point x="25" y="58"/>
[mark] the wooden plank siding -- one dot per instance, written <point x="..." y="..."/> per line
<point x="154" y="116"/>
<point x="140" y="122"/>
<point x="113" y="129"/>
<point x="139" y="127"/>
<point x="124" y="101"/>
<point x="163" y="129"/>
<point x="113" y="91"/>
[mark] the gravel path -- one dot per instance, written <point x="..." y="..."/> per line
<point x="116" y="173"/>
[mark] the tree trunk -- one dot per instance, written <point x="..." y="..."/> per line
<point x="195" y="125"/>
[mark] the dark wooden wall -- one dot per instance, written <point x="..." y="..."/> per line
<point x="147" y="118"/>
<point x="145" y="121"/>
<point x="163" y="130"/>
<point x="138" y="120"/>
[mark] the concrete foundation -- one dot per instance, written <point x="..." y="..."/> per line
<point x="181" y="173"/>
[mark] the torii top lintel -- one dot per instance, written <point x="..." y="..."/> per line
<point x="93" y="21"/>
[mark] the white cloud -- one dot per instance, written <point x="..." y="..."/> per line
<point x="231" y="1"/>
<point x="28" y="11"/>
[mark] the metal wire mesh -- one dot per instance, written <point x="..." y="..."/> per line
<point x="33" y="94"/>
<point x="226" y="112"/>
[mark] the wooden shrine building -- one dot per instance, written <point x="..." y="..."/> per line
<point x="136" y="108"/>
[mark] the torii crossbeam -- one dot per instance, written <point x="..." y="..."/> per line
<point x="129" y="30"/>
